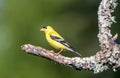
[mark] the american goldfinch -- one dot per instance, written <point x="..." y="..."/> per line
<point x="56" y="41"/>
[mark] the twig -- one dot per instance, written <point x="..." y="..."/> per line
<point x="107" y="57"/>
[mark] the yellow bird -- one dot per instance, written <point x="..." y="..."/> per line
<point x="56" y="41"/>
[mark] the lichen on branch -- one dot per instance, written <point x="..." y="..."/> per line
<point x="107" y="57"/>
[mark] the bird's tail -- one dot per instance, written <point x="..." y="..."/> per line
<point x="75" y="52"/>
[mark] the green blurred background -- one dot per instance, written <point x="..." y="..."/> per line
<point x="75" y="20"/>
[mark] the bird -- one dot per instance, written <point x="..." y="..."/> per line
<point x="57" y="41"/>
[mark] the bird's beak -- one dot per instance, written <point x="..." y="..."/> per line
<point x="42" y="29"/>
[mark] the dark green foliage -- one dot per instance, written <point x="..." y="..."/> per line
<point x="20" y="22"/>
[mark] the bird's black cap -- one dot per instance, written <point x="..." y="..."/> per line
<point x="44" y="27"/>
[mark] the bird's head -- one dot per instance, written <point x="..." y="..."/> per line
<point x="47" y="29"/>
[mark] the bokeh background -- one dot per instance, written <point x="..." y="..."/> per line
<point x="75" y="20"/>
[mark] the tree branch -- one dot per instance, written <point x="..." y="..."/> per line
<point x="107" y="57"/>
<point x="105" y="19"/>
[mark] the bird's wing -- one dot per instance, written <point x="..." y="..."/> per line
<point x="60" y="40"/>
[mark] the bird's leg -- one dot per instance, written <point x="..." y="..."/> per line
<point x="60" y="51"/>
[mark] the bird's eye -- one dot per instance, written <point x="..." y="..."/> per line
<point x="45" y="27"/>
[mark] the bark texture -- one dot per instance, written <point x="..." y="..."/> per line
<point x="107" y="57"/>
